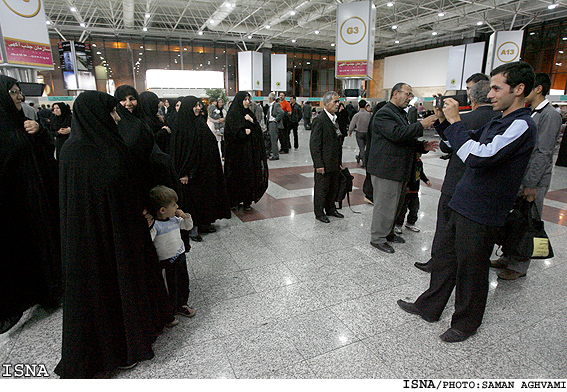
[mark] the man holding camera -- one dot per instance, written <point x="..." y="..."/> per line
<point x="392" y="151"/>
<point x="538" y="175"/>
<point x="481" y="114"/>
<point x="496" y="156"/>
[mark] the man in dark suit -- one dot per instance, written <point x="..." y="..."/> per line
<point x="481" y="114"/>
<point x="326" y="153"/>
<point x="392" y="150"/>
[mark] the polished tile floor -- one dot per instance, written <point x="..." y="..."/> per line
<point x="281" y="295"/>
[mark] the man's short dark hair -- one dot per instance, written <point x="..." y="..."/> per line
<point x="162" y="196"/>
<point x="397" y="87"/>
<point x="294" y="97"/>
<point x="477" y="77"/>
<point x="362" y="104"/>
<point x="543" y="80"/>
<point x="518" y="72"/>
<point x="479" y="92"/>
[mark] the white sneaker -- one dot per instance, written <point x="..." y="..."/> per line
<point x="398" y="229"/>
<point x="412" y="228"/>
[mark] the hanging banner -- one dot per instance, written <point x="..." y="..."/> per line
<point x="250" y="71"/>
<point x="504" y="47"/>
<point x="25" y="38"/>
<point x="464" y="60"/>
<point x="279" y="72"/>
<point x="356" y="32"/>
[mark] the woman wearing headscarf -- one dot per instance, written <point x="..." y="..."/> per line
<point x="343" y="119"/>
<point x="114" y="296"/>
<point x="60" y="125"/>
<point x="245" y="164"/>
<point x="148" y="103"/>
<point x="153" y="166"/>
<point x="30" y="266"/>
<point x="199" y="166"/>
<point x="217" y="116"/>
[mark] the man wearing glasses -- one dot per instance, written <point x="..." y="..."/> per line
<point x="392" y="151"/>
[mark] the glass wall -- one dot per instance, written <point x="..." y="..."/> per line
<point x="545" y="48"/>
<point x="126" y="62"/>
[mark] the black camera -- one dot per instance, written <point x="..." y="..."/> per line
<point x="462" y="99"/>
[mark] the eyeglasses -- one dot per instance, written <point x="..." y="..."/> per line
<point x="16" y="92"/>
<point x="336" y="101"/>
<point x="407" y="93"/>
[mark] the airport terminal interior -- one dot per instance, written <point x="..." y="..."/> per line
<point x="279" y="294"/>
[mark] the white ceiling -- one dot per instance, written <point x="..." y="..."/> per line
<point x="237" y="20"/>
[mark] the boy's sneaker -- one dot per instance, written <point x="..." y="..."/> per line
<point x="398" y="229"/>
<point x="412" y="228"/>
<point x="186" y="311"/>
<point x="172" y="324"/>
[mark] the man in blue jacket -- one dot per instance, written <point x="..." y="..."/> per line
<point x="496" y="157"/>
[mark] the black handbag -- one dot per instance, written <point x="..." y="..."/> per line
<point x="345" y="187"/>
<point x="524" y="235"/>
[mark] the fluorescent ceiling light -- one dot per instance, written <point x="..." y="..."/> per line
<point x="434" y="33"/>
<point x="441" y="14"/>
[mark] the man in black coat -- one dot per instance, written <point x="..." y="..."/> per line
<point x="481" y="114"/>
<point x="392" y="150"/>
<point x="326" y="153"/>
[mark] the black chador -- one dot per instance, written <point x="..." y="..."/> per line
<point x="30" y="264"/>
<point x="245" y="165"/>
<point x="114" y="296"/>
<point x="196" y="157"/>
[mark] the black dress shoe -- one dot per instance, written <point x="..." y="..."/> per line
<point x="453" y="335"/>
<point x="396" y="239"/>
<point x="336" y="214"/>
<point x="411" y="308"/>
<point x="274" y="159"/>
<point x="425" y="267"/>
<point x="208" y="229"/>
<point x="384" y="247"/>
<point x="196" y="238"/>
<point x="323" y="219"/>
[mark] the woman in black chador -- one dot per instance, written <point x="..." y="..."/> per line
<point x="198" y="163"/>
<point x="60" y="125"/>
<point x="30" y="264"/>
<point x="149" y="106"/>
<point x="114" y="296"/>
<point x="153" y="166"/>
<point x="245" y="164"/>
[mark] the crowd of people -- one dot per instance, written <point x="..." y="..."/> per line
<point x="99" y="205"/>
<point x="500" y="151"/>
<point x="91" y="215"/>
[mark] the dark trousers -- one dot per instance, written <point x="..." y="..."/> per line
<point x="177" y="281"/>
<point x="462" y="265"/>
<point x="361" y="138"/>
<point x="283" y="135"/>
<point x="367" y="187"/>
<point x="294" y="126"/>
<point x="411" y="206"/>
<point x="442" y="235"/>
<point x="326" y="189"/>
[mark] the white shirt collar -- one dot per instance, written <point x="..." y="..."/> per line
<point x="542" y="104"/>
<point x="333" y="117"/>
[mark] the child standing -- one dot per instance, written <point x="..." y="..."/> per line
<point x="166" y="236"/>
<point x="411" y="200"/>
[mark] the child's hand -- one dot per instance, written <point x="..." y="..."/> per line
<point x="179" y="213"/>
<point x="148" y="217"/>
<point x="428" y="183"/>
